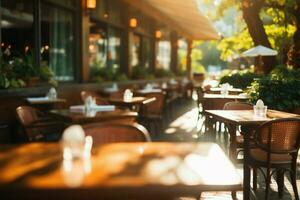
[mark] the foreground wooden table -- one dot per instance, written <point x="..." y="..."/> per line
<point x="235" y="118"/>
<point x="116" y="171"/>
<point x="100" y="116"/>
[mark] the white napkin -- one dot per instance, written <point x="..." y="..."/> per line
<point x="33" y="99"/>
<point x="77" y="108"/>
<point x="103" y="107"/>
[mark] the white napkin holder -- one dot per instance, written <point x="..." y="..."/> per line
<point x="89" y="103"/>
<point x="127" y="95"/>
<point x="225" y="89"/>
<point x="148" y="86"/>
<point x="260" y="110"/>
<point x="52" y="94"/>
<point x="75" y="144"/>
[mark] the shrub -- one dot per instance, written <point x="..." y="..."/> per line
<point x="279" y="90"/>
<point x="164" y="73"/>
<point x="239" y="79"/>
<point x="139" y="72"/>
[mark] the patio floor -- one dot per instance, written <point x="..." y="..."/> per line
<point x="184" y="128"/>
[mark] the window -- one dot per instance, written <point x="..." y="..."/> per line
<point x="182" y="54"/>
<point x="114" y="48"/>
<point x="57" y="51"/>
<point x="146" y="52"/>
<point x="164" y="54"/>
<point x="16" y="27"/>
<point x="135" y="50"/>
<point x="98" y="43"/>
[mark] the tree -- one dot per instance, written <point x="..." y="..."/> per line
<point x="252" y="16"/>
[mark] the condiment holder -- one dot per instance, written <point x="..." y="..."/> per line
<point x="52" y="94"/>
<point x="75" y="144"/>
<point x="260" y="110"/>
<point x="127" y="95"/>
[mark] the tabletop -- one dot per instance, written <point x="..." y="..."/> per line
<point x="44" y="100"/>
<point x="220" y="96"/>
<point x="120" y="170"/>
<point x="134" y="104"/>
<point x="86" y="117"/>
<point x="243" y="117"/>
<point x="218" y="89"/>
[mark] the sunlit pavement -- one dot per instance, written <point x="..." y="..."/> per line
<point x="184" y="128"/>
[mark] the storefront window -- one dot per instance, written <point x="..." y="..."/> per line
<point x="164" y="54"/>
<point x="16" y="27"/>
<point x="146" y="52"/>
<point x="114" y="48"/>
<point x="182" y="54"/>
<point x="98" y="46"/>
<point x="135" y="50"/>
<point x="57" y="51"/>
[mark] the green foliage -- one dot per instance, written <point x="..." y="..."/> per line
<point x="163" y="73"/>
<point x="16" y="72"/>
<point x="279" y="37"/>
<point x="279" y="90"/>
<point x="139" y="72"/>
<point x="239" y="79"/>
<point x="102" y="74"/>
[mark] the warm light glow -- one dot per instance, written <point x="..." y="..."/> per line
<point x="158" y="34"/>
<point x="2" y="44"/>
<point x="133" y="22"/>
<point x="47" y="47"/>
<point x="26" y="48"/>
<point x="105" y="15"/>
<point x="90" y="4"/>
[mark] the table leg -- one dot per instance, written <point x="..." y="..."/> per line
<point x="246" y="186"/>
<point x="232" y="143"/>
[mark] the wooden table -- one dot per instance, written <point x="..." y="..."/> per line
<point x="134" y="104"/>
<point x="116" y="171"/>
<point x="217" y="101"/>
<point x="84" y="117"/>
<point x="235" y="118"/>
<point x="45" y="103"/>
<point x="218" y="90"/>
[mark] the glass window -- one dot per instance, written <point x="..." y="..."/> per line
<point x="182" y="54"/>
<point x="98" y="46"/>
<point x="164" y="54"/>
<point x="135" y="50"/>
<point x="147" y="53"/>
<point x="16" y="27"/>
<point x="114" y="48"/>
<point x="57" y="51"/>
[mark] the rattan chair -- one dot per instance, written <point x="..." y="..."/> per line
<point x="99" y="100"/>
<point x="151" y="114"/>
<point x="103" y="133"/>
<point x="38" y="126"/>
<point x="276" y="149"/>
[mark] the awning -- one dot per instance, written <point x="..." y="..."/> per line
<point x="181" y="15"/>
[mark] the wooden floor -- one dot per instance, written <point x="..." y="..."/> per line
<point x="184" y="127"/>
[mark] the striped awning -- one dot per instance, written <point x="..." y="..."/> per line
<point x="183" y="16"/>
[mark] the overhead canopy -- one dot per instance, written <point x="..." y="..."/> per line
<point x="181" y="15"/>
<point x="259" y="51"/>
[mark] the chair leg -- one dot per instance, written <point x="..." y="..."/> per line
<point x="280" y="182"/>
<point x="254" y="179"/>
<point x="268" y="180"/>
<point x="293" y="174"/>
<point x="233" y="195"/>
